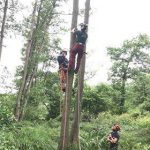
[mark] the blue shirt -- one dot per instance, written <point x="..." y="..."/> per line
<point x="81" y="36"/>
<point x="62" y="60"/>
<point x="114" y="146"/>
<point x="115" y="134"/>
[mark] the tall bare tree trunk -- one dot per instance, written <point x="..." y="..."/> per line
<point x="3" y="27"/>
<point x="25" y="91"/>
<point x="74" y="20"/>
<point x="64" y="133"/>
<point x="74" y="136"/>
<point x="31" y="50"/>
<point x="24" y="79"/>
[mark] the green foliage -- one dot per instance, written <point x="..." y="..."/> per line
<point x="6" y="115"/>
<point x="37" y="138"/>
<point x="141" y="89"/>
<point x="44" y="98"/>
<point x="134" y="132"/>
<point x="93" y="136"/>
<point x="97" y="99"/>
<point x="28" y="136"/>
<point x="7" y="141"/>
<point x="138" y="93"/>
<point x="42" y="59"/>
<point x="129" y="60"/>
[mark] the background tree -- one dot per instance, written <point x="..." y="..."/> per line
<point x="97" y="99"/>
<point x="132" y="58"/>
<point x="140" y="92"/>
<point x="20" y="100"/>
<point x="43" y="101"/>
<point x="37" y="51"/>
<point x="8" y="9"/>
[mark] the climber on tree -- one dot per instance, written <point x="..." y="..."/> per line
<point x="113" y="137"/>
<point x="78" y="47"/>
<point x="63" y="66"/>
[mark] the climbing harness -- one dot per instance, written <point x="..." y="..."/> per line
<point x="63" y="78"/>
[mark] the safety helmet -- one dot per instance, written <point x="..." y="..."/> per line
<point x="63" y="51"/>
<point x="83" y="25"/>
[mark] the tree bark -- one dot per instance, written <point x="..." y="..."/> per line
<point x="25" y="93"/>
<point x="24" y="79"/>
<point x="74" y="136"/>
<point x="64" y="133"/>
<point x="74" y="20"/>
<point x="3" y="27"/>
<point x="123" y="93"/>
<point x="30" y="62"/>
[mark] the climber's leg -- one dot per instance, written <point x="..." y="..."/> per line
<point x="80" y="54"/>
<point x="73" y="53"/>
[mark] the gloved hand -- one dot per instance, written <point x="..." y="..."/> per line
<point x="73" y="30"/>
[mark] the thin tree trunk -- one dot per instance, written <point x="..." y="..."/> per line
<point x="123" y="94"/>
<point x="25" y="92"/>
<point x="35" y="62"/>
<point x="123" y="85"/>
<point x="64" y="133"/>
<point x="24" y="79"/>
<point x="74" y="136"/>
<point x="29" y="61"/>
<point x="3" y="27"/>
<point x="74" y="20"/>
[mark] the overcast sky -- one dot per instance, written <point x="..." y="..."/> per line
<point x="111" y="22"/>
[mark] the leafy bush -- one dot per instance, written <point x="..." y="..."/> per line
<point x="29" y="136"/>
<point x="134" y="132"/>
<point x="6" y="115"/>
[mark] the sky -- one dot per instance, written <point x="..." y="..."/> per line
<point x="111" y="22"/>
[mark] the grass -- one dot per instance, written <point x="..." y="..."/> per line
<point x="27" y="135"/>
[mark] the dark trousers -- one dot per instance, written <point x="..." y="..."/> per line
<point x="76" y="49"/>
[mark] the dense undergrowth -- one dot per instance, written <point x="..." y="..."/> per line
<point x="37" y="132"/>
<point x="134" y="135"/>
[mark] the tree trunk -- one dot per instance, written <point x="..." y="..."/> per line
<point x="24" y="79"/>
<point x="74" y="20"/>
<point x="3" y="27"/>
<point x="74" y="136"/>
<point x="64" y="133"/>
<point x="25" y="93"/>
<point x="123" y="94"/>
<point x="30" y="61"/>
<point x="123" y="86"/>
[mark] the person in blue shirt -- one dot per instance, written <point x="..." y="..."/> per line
<point x="113" y="137"/>
<point x="78" y="47"/>
<point x="62" y="60"/>
<point x="63" y="66"/>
